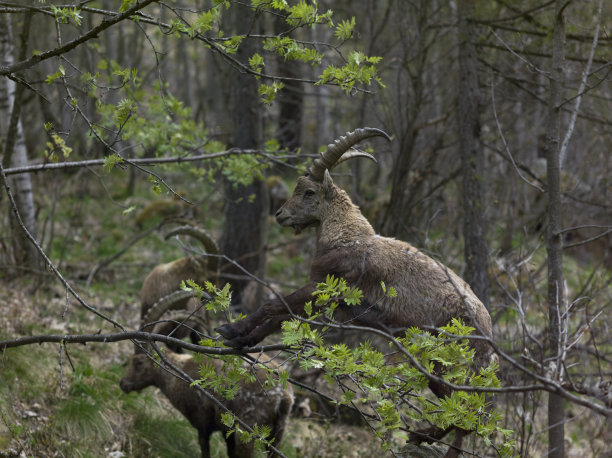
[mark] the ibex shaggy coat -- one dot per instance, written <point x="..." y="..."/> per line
<point x="252" y="403"/>
<point x="429" y="294"/>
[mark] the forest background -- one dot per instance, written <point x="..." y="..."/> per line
<point x="115" y="116"/>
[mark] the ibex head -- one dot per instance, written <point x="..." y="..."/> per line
<point x="140" y="373"/>
<point x="304" y="208"/>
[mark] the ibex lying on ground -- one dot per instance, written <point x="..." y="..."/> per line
<point x="428" y="293"/>
<point x="252" y="404"/>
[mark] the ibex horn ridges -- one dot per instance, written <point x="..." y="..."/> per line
<point x="207" y="240"/>
<point x="330" y="157"/>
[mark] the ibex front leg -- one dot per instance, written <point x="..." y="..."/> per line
<point x="267" y="319"/>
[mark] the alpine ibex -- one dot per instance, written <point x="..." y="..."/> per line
<point x="253" y="404"/>
<point x="429" y="294"/>
<point x="165" y="279"/>
<point x="161" y="293"/>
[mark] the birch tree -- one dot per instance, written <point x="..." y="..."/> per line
<point x="14" y="152"/>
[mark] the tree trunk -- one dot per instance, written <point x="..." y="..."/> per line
<point x="554" y="247"/>
<point x="246" y="207"/>
<point x="15" y="153"/>
<point x="290" y="101"/>
<point x="322" y="97"/>
<point x="397" y="214"/>
<point x="472" y="157"/>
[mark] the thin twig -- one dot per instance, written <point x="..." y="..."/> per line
<point x="503" y="138"/>
<point x="585" y="75"/>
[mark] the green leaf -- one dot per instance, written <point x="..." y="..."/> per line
<point x="280" y="5"/>
<point x="359" y="69"/>
<point x="347" y="397"/>
<point x="128" y="210"/>
<point x="58" y="74"/>
<point x="65" y="15"/>
<point x="228" y="418"/>
<point x="178" y="27"/>
<point x="124" y="111"/>
<point x="57" y="148"/>
<point x="353" y="296"/>
<point x="272" y="146"/>
<point x="126" y="5"/>
<point x="205" y="21"/>
<point x="156" y="186"/>
<point x="110" y="161"/>
<point x="344" y="30"/>
<point x="268" y="92"/>
<point x="232" y="44"/>
<point x="256" y="62"/>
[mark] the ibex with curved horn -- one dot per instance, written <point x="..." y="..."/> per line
<point x="166" y="278"/>
<point x="429" y="294"/>
<point x="161" y="296"/>
<point x="252" y="403"/>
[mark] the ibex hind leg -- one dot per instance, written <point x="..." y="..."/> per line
<point x="435" y="434"/>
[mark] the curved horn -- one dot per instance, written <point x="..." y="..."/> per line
<point x="170" y="302"/>
<point x="210" y="245"/>
<point x="339" y="147"/>
<point x="350" y="154"/>
<point x="180" y="324"/>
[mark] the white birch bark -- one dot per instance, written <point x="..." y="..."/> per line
<point x="15" y="155"/>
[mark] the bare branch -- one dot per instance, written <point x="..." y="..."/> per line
<point x="133" y="335"/>
<point x="590" y="239"/>
<point x="585" y="75"/>
<point x="144" y="161"/>
<point x="93" y="33"/>
<point x="503" y="138"/>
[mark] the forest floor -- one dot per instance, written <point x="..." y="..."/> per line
<point x="68" y="403"/>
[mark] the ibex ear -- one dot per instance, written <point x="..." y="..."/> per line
<point x="328" y="185"/>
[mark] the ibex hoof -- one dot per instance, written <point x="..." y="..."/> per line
<point x="418" y="437"/>
<point x="226" y="331"/>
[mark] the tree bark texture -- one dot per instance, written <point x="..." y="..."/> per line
<point x="246" y="207"/>
<point x="397" y="216"/>
<point x="554" y="243"/>
<point x="472" y="157"/>
<point x="290" y="101"/>
<point x="15" y="152"/>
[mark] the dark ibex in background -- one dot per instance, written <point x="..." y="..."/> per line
<point x="252" y="404"/>
<point x="429" y="294"/>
